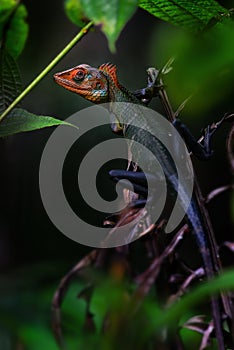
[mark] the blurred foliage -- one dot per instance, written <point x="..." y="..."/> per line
<point x="10" y="81"/>
<point x="75" y="12"/>
<point x="110" y="15"/>
<point x="25" y="304"/>
<point x="119" y="318"/>
<point x="113" y="15"/>
<point x="17" y="31"/>
<point x="203" y="68"/>
<point x="13" y="34"/>
<point x="13" y="26"/>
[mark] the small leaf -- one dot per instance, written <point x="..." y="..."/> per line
<point x="19" y="120"/>
<point x="192" y="15"/>
<point x="111" y="15"/>
<point x="10" y="81"/>
<point x="17" y="32"/>
<point x="75" y="13"/>
<point x="6" y="9"/>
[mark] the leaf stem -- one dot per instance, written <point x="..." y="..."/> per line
<point x="51" y="65"/>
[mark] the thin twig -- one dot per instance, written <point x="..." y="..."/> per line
<point x="162" y="93"/>
<point x="165" y="102"/>
<point x="229" y="245"/>
<point x="211" y="238"/>
<point x="45" y="71"/>
<point x="151" y="241"/>
<point x="216" y="192"/>
<point x="196" y="323"/>
<point x="147" y="278"/>
<point x="194" y="275"/>
<point x="206" y="336"/>
<point x="61" y="291"/>
<point x="215" y="126"/>
<point x="230" y="151"/>
<point x="182" y="105"/>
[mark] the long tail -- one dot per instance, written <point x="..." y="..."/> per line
<point x="202" y="238"/>
<point x="207" y="247"/>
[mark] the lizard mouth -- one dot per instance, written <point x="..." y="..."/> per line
<point x="70" y="85"/>
<point x="92" y="87"/>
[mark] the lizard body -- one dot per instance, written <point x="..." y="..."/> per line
<point x="100" y="85"/>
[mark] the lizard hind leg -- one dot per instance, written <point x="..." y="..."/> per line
<point x="201" y="148"/>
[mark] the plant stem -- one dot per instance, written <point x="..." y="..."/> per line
<point x="212" y="250"/>
<point x="51" y="65"/>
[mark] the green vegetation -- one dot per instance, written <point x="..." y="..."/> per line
<point x="200" y="34"/>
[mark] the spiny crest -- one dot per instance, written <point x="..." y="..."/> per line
<point x="110" y="70"/>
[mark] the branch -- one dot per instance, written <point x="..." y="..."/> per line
<point x="216" y="192"/>
<point x="230" y="145"/>
<point x="147" y="278"/>
<point x="45" y="71"/>
<point x="194" y="275"/>
<point x="61" y="291"/>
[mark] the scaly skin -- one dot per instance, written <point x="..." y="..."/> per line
<point x="101" y="85"/>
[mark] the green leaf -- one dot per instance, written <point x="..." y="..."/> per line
<point x="223" y="282"/>
<point x="111" y="15"/>
<point x="75" y="13"/>
<point x="17" y="32"/>
<point x="13" y="26"/>
<point x="37" y="337"/>
<point x="158" y="318"/>
<point x="19" y="120"/>
<point x="10" y="81"/>
<point x="6" y="9"/>
<point x="193" y="15"/>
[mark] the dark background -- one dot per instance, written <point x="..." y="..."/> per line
<point x="27" y="235"/>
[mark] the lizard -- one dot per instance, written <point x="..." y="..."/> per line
<point x="101" y="85"/>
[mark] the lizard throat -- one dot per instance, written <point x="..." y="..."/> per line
<point x="95" y="96"/>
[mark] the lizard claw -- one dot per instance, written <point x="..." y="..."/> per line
<point x="153" y="75"/>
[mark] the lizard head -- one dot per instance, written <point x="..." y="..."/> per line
<point x="94" y="84"/>
<point x="90" y="83"/>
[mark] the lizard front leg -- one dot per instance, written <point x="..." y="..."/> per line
<point x="146" y="94"/>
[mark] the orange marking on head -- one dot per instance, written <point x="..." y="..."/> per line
<point x="86" y="81"/>
<point x="110" y="70"/>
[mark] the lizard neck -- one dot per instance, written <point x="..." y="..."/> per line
<point x="120" y="94"/>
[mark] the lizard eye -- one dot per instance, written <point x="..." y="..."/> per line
<point x="79" y="75"/>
